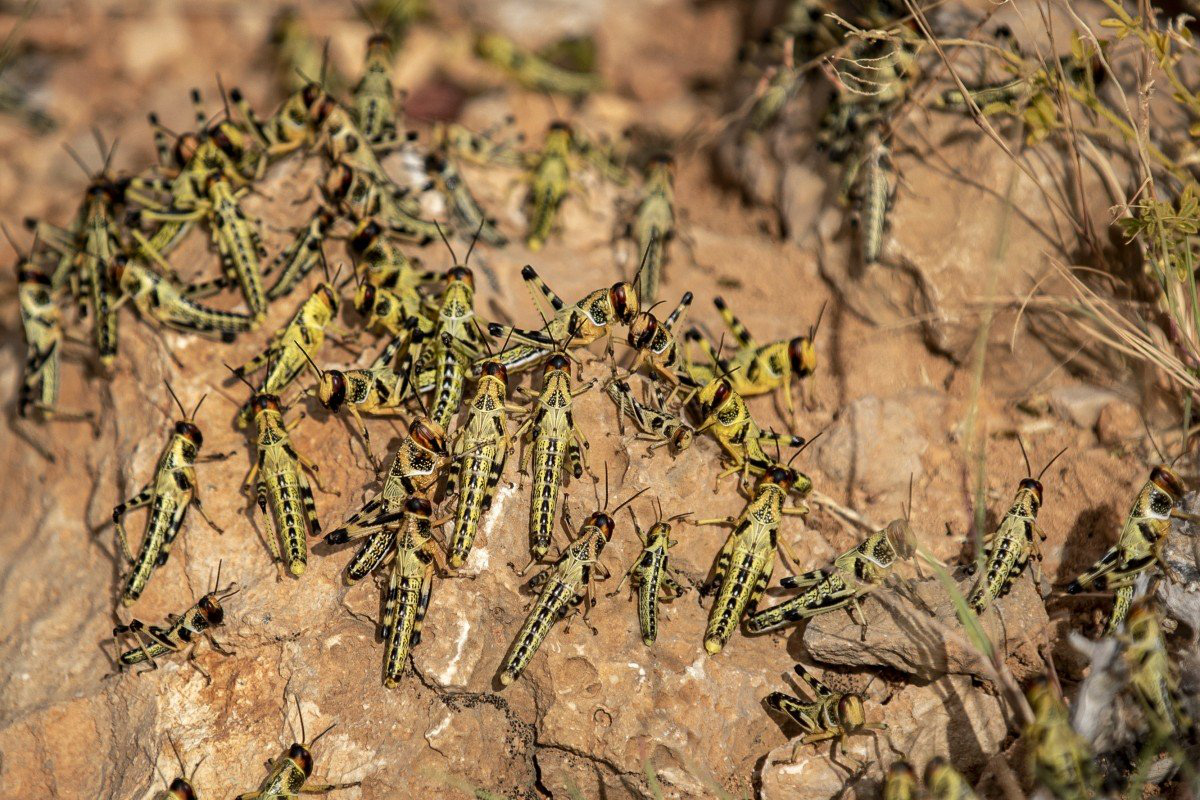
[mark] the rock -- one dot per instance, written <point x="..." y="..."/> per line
<point x="949" y="717"/>
<point x="876" y="443"/>
<point x="902" y="635"/>
<point x="1118" y="423"/>
<point x="1081" y="404"/>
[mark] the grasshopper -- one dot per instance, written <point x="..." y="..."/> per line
<point x="169" y="495"/>
<point x="744" y="565"/>
<point x="831" y="715"/>
<point x="859" y="570"/>
<point x="464" y="208"/>
<point x="650" y="573"/>
<point x="656" y="425"/>
<point x="234" y="234"/>
<point x="654" y="224"/>
<point x="361" y="196"/>
<point x="777" y="88"/>
<point x="414" y="471"/>
<point x="577" y="325"/>
<point x="759" y="369"/>
<point x="158" y="298"/>
<point x="556" y="439"/>
<point x="873" y="189"/>
<point x="285" y="355"/>
<point x="409" y="586"/>
<point x="563" y="586"/>
<point x="180" y="632"/>
<point x="900" y="782"/>
<point x="655" y="342"/>
<point x="301" y="255"/>
<point x="483" y="446"/>
<point x="1139" y="545"/>
<point x="1060" y="759"/>
<point x="374" y="390"/>
<point x="1153" y="676"/>
<point x="456" y="341"/>
<point x="291" y="774"/>
<point x="41" y="322"/>
<point x="549" y="182"/>
<point x="727" y="415"/>
<point x="374" y="95"/>
<point x="1011" y="546"/>
<point x="531" y="70"/>
<point x="281" y="487"/>
<point x="944" y="782"/>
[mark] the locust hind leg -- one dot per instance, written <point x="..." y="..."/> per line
<point x="140" y="499"/>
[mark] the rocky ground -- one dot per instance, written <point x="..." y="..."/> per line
<point x="917" y="362"/>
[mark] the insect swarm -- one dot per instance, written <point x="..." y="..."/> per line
<point x="169" y="495"/>
<point x="180" y="633"/>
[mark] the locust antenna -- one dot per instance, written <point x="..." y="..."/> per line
<point x="175" y="397"/>
<point x="474" y="241"/>
<point x="1051" y="461"/>
<point x="442" y="234"/>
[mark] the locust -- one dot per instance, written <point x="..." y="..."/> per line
<point x="159" y="299"/>
<point x="180" y="788"/>
<point x="375" y="96"/>
<point x="286" y="353"/>
<point x="409" y="586"/>
<point x="291" y="774"/>
<point x="548" y="184"/>
<point x="1154" y="676"/>
<point x="656" y="344"/>
<point x="588" y="320"/>
<point x="564" y="585"/>
<point x="654" y="424"/>
<point x="654" y="224"/>
<point x="414" y="471"/>
<point x="650" y="574"/>
<point x="281" y="486"/>
<point x="180" y="633"/>
<point x="482" y="446"/>
<point x="873" y="189"/>
<point x="944" y="782"/>
<point x="777" y="88"/>
<point x="854" y="573"/>
<point x="233" y="233"/>
<point x="1059" y="758"/>
<point x="360" y="196"/>
<point x="41" y="322"/>
<point x="377" y="389"/>
<point x="900" y="782"/>
<point x="758" y="369"/>
<point x="1010" y="547"/>
<point x="830" y="715"/>
<point x="744" y="565"/>
<point x="556" y="439"/>
<point x="1139" y="545"/>
<point x="169" y="496"/>
<point x="531" y="70"/>
<point x="464" y="208"/>
<point x="726" y="414"/>
<point x="304" y="253"/>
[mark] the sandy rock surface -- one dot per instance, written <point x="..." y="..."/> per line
<point x="597" y="714"/>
